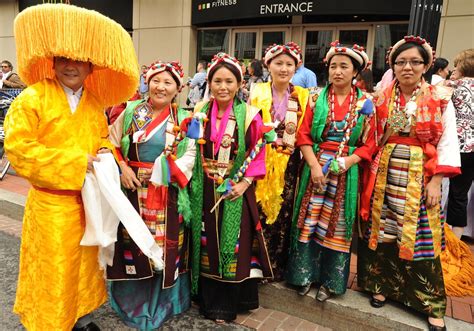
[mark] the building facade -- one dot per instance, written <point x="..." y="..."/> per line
<point x="191" y="30"/>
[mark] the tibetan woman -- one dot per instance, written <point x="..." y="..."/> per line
<point x="228" y="252"/>
<point x="399" y="258"/>
<point x="284" y="105"/>
<point x="156" y="164"/>
<point x="334" y="139"/>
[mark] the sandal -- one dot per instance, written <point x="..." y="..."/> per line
<point x="376" y="303"/>
<point x="323" y="294"/>
<point x="432" y="327"/>
<point x="304" y="289"/>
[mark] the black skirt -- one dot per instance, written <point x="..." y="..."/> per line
<point x="223" y="300"/>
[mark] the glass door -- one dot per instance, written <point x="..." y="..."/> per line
<point x="362" y="35"/>
<point x="245" y="43"/>
<point x="317" y="44"/>
<point x="251" y="44"/>
<point x="271" y="37"/>
<point x="354" y="36"/>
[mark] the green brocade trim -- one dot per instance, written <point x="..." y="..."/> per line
<point x="127" y="122"/>
<point x="184" y="203"/>
<point x="230" y="226"/>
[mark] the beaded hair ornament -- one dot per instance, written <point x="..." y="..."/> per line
<point x="412" y="39"/>
<point x="356" y="52"/>
<point x="173" y="67"/>
<point x="291" y="48"/>
<point x="224" y="57"/>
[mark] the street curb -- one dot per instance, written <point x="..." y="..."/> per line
<point x="12" y="204"/>
<point x="351" y="312"/>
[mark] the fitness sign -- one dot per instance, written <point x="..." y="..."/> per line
<point x="205" y="11"/>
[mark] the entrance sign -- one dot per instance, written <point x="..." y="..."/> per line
<point x="207" y="11"/>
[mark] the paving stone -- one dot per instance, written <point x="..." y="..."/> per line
<point x="260" y="314"/>
<point x="469" y="300"/>
<point x="449" y="307"/>
<point x="270" y="324"/>
<point x="279" y="316"/>
<point x="291" y="323"/>
<point x="241" y="318"/>
<point x="251" y="323"/>
<point x="307" y="326"/>
<point x="462" y="311"/>
<point x="351" y="279"/>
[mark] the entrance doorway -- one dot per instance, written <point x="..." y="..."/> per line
<point x="317" y="43"/>
<point x="249" y="44"/>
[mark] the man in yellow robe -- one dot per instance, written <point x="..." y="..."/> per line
<point x="54" y="129"/>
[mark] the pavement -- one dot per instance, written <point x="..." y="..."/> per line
<point x="13" y="191"/>
<point x="281" y="308"/>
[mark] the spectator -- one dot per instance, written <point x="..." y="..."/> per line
<point x="9" y="78"/>
<point x="255" y="70"/>
<point x="304" y="77"/>
<point x="463" y="100"/>
<point x="243" y="92"/>
<point x="266" y="74"/>
<point x="143" y="90"/>
<point x="365" y="81"/>
<point x="197" y="85"/>
<point x="440" y="71"/>
<point x="386" y="80"/>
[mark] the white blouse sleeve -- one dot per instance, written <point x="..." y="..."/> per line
<point x="448" y="146"/>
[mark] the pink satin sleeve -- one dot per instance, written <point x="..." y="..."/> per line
<point x="256" y="168"/>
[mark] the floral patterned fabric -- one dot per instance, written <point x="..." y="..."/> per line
<point x="463" y="100"/>
<point x="313" y="263"/>
<point x="416" y="284"/>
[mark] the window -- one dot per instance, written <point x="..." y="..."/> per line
<point x="211" y="42"/>
<point x="270" y="38"/>
<point x="245" y="43"/>
<point x="317" y="45"/>
<point x="386" y="35"/>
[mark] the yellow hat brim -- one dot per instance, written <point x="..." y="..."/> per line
<point x="46" y="31"/>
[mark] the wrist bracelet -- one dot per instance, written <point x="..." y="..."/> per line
<point x="247" y="180"/>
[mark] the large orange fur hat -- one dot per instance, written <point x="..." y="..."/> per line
<point x="45" y="31"/>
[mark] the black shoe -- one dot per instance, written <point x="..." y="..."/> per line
<point x="432" y="327"/>
<point x="323" y="294"/>
<point x="304" y="289"/>
<point x="89" y="327"/>
<point x="376" y="303"/>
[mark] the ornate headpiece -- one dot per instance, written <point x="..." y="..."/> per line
<point x="173" y="67"/>
<point x="224" y="57"/>
<point x="356" y="52"/>
<point x="415" y="40"/>
<point x="62" y="30"/>
<point x="290" y="48"/>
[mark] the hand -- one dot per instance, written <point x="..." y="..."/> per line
<point x="104" y="150"/>
<point x="317" y="176"/>
<point x="238" y="190"/>
<point x="350" y="161"/>
<point x="146" y="175"/>
<point x="90" y="160"/>
<point x="433" y="191"/>
<point x="128" y="178"/>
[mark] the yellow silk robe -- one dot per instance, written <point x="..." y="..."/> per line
<point x="59" y="280"/>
